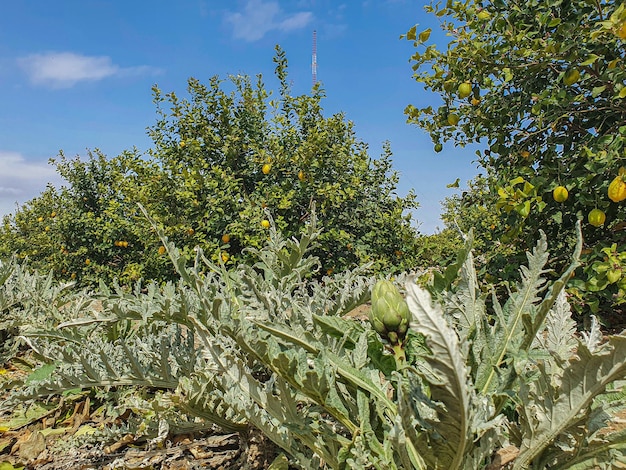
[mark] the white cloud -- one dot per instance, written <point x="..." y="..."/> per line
<point x="65" y="69"/>
<point x="21" y="180"/>
<point x="258" y="18"/>
<point x="296" y="21"/>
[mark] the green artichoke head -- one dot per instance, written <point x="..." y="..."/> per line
<point x="390" y="313"/>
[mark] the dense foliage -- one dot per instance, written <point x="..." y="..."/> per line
<point x="541" y="85"/>
<point x="449" y="385"/>
<point x="223" y="163"/>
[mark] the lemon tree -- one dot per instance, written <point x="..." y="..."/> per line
<point x="90" y="228"/>
<point x="228" y="160"/>
<point x="547" y="105"/>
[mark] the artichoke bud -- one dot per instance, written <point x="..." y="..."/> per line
<point x="390" y="313"/>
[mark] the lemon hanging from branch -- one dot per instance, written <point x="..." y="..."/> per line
<point x="617" y="188"/>
<point x="464" y="90"/>
<point x="596" y="217"/>
<point x="560" y="194"/>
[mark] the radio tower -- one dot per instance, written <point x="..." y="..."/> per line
<point x="314" y="61"/>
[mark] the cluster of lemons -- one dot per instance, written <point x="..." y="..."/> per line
<point x="616" y="193"/>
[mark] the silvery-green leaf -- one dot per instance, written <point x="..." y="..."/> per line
<point x="593" y="338"/>
<point x="546" y="413"/>
<point x="451" y="388"/>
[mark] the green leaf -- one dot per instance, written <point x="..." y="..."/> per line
<point x="597" y="91"/>
<point x="411" y="34"/>
<point x="507" y="332"/>
<point x="455" y="184"/>
<point x="611" y="450"/>
<point x="424" y="35"/>
<point x="343" y="368"/>
<point x="41" y="373"/>
<point x="340" y="327"/>
<point x="465" y="302"/>
<point x="591" y="59"/>
<point x="523" y="209"/>
<point x="451" y="385"/>
<point x="543" y="417"/>
<point x="9" y="466"/>
<point x="279" y="463"/>
<point x="442" y="283"/>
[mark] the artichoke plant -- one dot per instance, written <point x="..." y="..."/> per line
<point x="390" y="316"/>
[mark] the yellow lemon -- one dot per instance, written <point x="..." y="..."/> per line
<point x="464" y="90"/>
<point x="560" y="194"/>
<point x="617" y="189"/>
<point x="596" y="217"/>
<point x="571" y="77"/>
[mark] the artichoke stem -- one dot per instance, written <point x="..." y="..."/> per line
<point x="399" y="355"/>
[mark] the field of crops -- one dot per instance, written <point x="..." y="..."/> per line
<point x="263" y="366"/>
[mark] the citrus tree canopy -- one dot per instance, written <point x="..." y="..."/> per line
<point x="541" y="86"/>
<point x="226" y="161"/>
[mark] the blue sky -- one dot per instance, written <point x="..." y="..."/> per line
<point x="77" y="75"/>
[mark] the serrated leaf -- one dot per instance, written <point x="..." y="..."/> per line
<point x="450" y="388"/>
<point x="343" y="368"/>
<point x="545" y="416"/>
<point x="464" y="303"/>
<point x="507" y="332"/>
<point x="340" y="327"/>
<point x="558" y="336"/>
<point x="41" y="373"/>
<point x="593" y="339"/>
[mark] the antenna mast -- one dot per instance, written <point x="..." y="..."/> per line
<point x="314" y="61"/>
